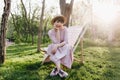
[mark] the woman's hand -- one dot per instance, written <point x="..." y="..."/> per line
<point x="56" y="28"/>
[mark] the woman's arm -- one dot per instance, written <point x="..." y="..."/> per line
<point x="65" y="39"/>
<point x="58" y="34"/>
<point x="52" y="37"/>
<point x="55" y="37"/>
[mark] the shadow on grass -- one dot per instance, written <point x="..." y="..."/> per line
<point x="36" y="71"/>
<point x="33" y="66"/>
<point x="25" y="71"/>
<point x="71" y="72"/>
<point x="19" y="49"/>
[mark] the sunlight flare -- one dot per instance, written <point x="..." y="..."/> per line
<point x="105" y="12"/>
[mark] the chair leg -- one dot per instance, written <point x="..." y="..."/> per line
<point x="81" y="46"/>
<point x="46" y="58"/>
<point x="77" y="59"/>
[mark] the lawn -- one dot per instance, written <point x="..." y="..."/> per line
<point x="23" y="63"/>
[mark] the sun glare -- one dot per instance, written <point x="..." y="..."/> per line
<point x="105" y="12"/>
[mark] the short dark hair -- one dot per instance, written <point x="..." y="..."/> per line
<point x="59" y="19"/>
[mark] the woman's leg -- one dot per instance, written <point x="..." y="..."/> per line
<point x="56" y="62"/>
<point x="55" y="71"/>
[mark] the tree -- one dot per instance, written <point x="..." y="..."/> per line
<point x="66" y="9"/>
<point x="24" y="14"/>
<point x="40" y="27"/>
<point x="3" y="27"/>
<point x="25" y="24"/>
<point x="29" y="21"/>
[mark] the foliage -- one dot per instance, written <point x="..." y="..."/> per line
<point x="24" y="27"/>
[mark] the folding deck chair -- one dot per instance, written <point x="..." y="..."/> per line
<point x="75" y="35"/>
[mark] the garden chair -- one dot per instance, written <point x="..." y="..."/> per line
<point x="75" y="35"/>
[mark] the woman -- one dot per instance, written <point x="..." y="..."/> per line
<point x="60" y="51"/>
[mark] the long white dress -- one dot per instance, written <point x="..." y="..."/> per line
<point x="63" y="54"/>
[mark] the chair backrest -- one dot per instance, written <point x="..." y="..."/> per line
<point x="75" y="33"/>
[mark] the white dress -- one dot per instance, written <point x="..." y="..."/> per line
<point x="64" y="54"/>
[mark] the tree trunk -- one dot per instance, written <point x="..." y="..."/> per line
<point x="40" y="27"/>
<point x="31" y="23"/>
<point x="66" y="9"/>
<point x="44" y="34"/>
<point x="32" y="35"/>
<point x="24" y="14"/>
<point x="3" y="29"/>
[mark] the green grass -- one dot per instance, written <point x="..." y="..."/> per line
<point x="23" y="63"/>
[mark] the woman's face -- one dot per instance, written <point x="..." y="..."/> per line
<point x="58" y="24"/>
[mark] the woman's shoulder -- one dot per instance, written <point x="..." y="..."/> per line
<point x="51" y="31"/>
<point x="65" y="28"/>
